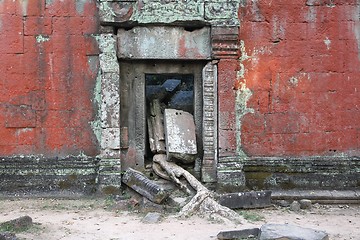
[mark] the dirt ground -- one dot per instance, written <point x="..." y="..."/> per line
<point x="98" y="219"/>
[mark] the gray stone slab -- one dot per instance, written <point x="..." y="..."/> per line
<point x="239" y="234"/>
<point x="258" y="199"/>
<point x="290" y="232"/>
<point x="165" y="42"/>
<point x="319" y="196"/>
<point x="180" y="136"/>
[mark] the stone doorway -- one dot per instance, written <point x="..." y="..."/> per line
<point x="175" y="33"/>
<point x="140" y="83"/>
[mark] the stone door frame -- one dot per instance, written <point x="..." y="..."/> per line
<point x="116" y="16"/>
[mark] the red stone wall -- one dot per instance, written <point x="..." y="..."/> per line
<point x="48" y="70"/>
<point x="302" y="64"/>
<point x="299" y="59"/>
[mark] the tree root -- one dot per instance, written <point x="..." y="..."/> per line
<point x="203" y="202"/>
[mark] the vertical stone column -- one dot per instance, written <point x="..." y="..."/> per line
<point x="225" y="47"/>
<point x="209" y="163"/>
<point x="109" y="175"/>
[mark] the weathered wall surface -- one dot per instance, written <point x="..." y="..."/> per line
<point x="49" y="64"/>
<point x="288" y="101"/>
<point x="300" y="62"/>
<point x="48" y="70"/>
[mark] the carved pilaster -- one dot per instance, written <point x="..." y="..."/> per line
<point x="225" y="42"/>
<point x="209" y="164"/>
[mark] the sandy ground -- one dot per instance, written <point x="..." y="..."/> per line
<point x="98" y="219"/>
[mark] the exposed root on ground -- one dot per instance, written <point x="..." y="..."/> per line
<point x="203" y="202"/>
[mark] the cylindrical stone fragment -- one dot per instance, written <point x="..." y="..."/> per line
<point x="144" y="186"/>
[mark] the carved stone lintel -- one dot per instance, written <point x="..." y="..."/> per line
<point x="175" y="42"/>
<point x="157" y="11"/>
<point x="221" y="15"/>
<point x="115" y="12"/>
<point x="221" y="10"/>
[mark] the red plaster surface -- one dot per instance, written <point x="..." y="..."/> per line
<point x="304" y="75"/>
<point x="303" y="72"/>
<point x="46" y="86"/>
<point x="227" y="74"/>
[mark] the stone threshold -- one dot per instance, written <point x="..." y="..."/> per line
<point x="319" y="196"/>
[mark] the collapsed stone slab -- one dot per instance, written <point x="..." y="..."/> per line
<point x="290" y="232"/>
<point x="239" y="234"/>
<point x="274" y="232"/>
<point x="180" y="137"/>
<point x="247" y="200"/>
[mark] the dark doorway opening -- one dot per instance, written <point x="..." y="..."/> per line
<point x="165" y="91"/>
<point x="177" y="84"/>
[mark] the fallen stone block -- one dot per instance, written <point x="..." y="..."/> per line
<point x="290" y="232"/>
<point x="144" y="186"/>
<point x="239" y="234"/>
<point x="180" y="137"/>
<point x="246" y="200"/>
